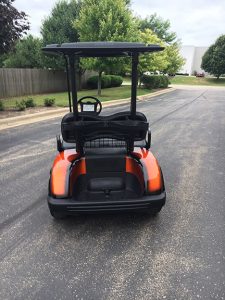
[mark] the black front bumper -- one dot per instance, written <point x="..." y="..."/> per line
<point x="70" y="206"/>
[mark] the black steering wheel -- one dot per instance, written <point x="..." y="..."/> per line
<point x="90" y="106"/>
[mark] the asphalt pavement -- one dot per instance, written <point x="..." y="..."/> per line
<point x="180" y="254"/>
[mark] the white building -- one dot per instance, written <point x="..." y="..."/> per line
<point x="193" y="56"/>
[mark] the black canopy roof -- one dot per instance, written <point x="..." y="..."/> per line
<point x="100" y="49"/>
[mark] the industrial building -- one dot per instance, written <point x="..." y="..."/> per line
<point x="193" y="59"/>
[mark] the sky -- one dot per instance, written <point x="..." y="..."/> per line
<point x="196" y="22"/>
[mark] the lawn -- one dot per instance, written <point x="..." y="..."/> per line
<point x="192" y="80"/>
<point x="61" y="99"/>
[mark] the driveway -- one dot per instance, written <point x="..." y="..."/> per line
<point x="178" y="255"/>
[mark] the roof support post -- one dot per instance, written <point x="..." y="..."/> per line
<point x="73" y="85"/>
<point x="134" y="82"/>
<point x="68" y="82"/>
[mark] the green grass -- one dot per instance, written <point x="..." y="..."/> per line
<point x="61" y="99"/>
<point x="192" y="80"/>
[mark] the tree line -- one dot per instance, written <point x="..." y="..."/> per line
<point x="89" y="20"/>
<point x="96" y="20"/>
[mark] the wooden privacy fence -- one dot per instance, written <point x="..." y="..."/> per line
<point x="19" y="82"/>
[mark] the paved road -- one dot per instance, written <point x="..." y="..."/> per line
<point x="178" y="255"/>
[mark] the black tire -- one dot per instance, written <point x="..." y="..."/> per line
<point x="58" y="215"/>
<point x="153" y="211"/>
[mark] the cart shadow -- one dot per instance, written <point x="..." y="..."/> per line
<point x="108" y="221"/>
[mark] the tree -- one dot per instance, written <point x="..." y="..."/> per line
<point x="13" y="24"/>
<point x="159" y="26"/>
<point x="151" y="61"/>
<point x="3" y="57"/>
<point x="58" y="28"/>
<point x="174" y="60"/>
<point x="213" y="61"/>
<point x="27" y="54"/>
<point x="105" y="20"/>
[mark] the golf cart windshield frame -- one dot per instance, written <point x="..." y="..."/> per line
<point x="73" y="51"/>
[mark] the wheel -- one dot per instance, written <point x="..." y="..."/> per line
<point x="153" y="211"/>
<point x="58" y="215"/>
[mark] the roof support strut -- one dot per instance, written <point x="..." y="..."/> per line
<point x="134" y="82"/>
<point x="73" y="85"/>
<point x="68" y="82"/>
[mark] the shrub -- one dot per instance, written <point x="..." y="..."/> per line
<point x="164" y="81"/>
<point x="116" y="80"/>
<point x="1" y="106"/>
<point x="155" y="81"/>
<point x="21" y="105"/>
<point x="107" y="81"/>
<point x="49" y="102"/>
<point x="30" y="103"/>
<point x="150" y="81"/>
<point x="92" y="82"/>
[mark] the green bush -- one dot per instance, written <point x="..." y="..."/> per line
<point x="21" y="105"/>
<point x="149" y="81"/>
<point x="164" y="81"/>
<point x="92" y="82"/>
<point x="107" y="81"/>
<point x="30" y="102"/>
<point x="1" y="106"/>
<point x="49" y="102"/>
<point x="155" y="81"/>
<point x="116" y="80"/>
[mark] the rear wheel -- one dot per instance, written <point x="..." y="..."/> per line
<point x="153" y="211"/>
<point x="58" y="215"/>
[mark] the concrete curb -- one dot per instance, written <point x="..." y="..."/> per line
<point x="196" y="87"/>
<point x="11" y="122"/>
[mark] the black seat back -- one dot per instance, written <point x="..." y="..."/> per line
<point x="118" y="126"/>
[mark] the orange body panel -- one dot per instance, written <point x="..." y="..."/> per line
<point x="59" y="182"/>
<point x="153" y="173"/>
<point x="62" y="176"/>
